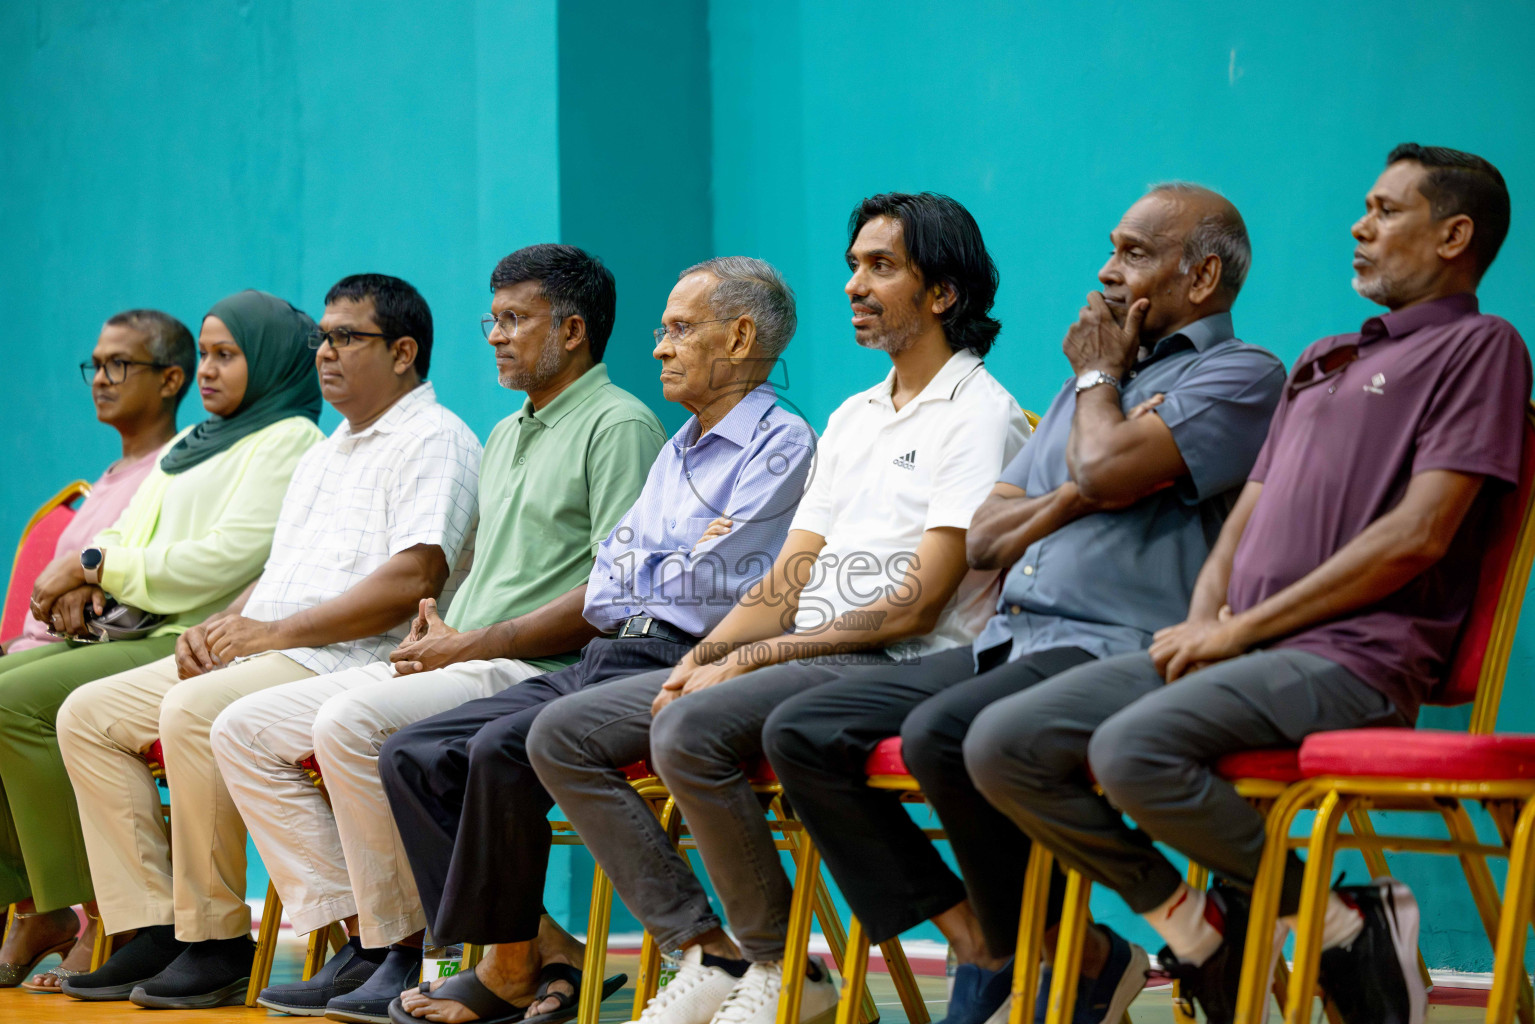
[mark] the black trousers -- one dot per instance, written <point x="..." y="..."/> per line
<point x="889" y="871"/>
<point x="471" y="812"/>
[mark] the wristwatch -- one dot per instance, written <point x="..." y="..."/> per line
<point x="90" y="562"/>
<point x="1093" y="378"/>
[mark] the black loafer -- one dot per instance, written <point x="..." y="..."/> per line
<point x="341" y="974"/>
<point x="369" y="1003"/>
<point x="142" y="957"/>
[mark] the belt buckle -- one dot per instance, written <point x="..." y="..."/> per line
<point x="637" y="625"/>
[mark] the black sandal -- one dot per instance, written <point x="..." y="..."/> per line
<point x="569" y="1007"/>
<point x="466" y="989"/>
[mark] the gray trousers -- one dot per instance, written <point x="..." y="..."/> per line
<point x="699" y="745"/>
<point x="1151" y="746"/>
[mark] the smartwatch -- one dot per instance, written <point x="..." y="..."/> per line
<point x="90" y="562"/>
<point x="1093" y="378"/>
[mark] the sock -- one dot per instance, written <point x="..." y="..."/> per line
<point x="1341" y="924"/>
<point x="1189" y="923"/>
<point x="734" y="968"/>
<point x="372" y="954"/>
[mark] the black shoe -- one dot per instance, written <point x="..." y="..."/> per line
<point x="1214" y="983"/>
<point x="1375" y="979"/>
<point x="341" y="974"/>
<point x="369" y="1003"/>
<point x="142" y="957"/>
<point x="205" y="975"/>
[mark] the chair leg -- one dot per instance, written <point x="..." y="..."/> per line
<point x="855" y="972"/>
<point x="1514" y="923"/>
<point x="1198" y="879"/>
<point x="1484" y="893"/>
<point x="101" y="946"/>
<point x="473" y="954"/>
<point x="266" y="945"/>
<point x="314" y="953"/>
<point x="905" y="985"/>
<point x="1031" y="934"/>
<point x="595" y="965"/>
<point x="807" y="868"/>
<point x="1263" y="919"/>
<point x="1313" y="907"/>
<point x="1067" y="967"/>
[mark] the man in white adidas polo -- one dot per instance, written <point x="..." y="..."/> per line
<point x="873" y="572"/>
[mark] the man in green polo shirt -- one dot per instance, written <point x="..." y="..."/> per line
<point x="555" y="479"/>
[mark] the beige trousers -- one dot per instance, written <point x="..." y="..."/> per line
<point x="330" y="860"/>
<point x="105" y="728"/>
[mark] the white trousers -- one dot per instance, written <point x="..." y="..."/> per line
<point x="330" y="860"/>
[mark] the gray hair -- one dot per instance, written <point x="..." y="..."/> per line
<point x="1221" y="233"/>
<point x="756" y="289"/>
<point x="168" y="340"/>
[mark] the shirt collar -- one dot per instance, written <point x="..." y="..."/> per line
<point x="395" y="416"/>
<point x="1402" y="322"/>
<point x="737" y="426"/>
<point x="582" y="388"/>
<point x="1201" y="334"/>
<point x="942" y="388"/>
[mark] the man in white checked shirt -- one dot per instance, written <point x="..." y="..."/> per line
<point x="375" y="519"/>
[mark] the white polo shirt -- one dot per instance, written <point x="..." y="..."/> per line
<point x="357" y="499"/>
<point x="883" y="477"/>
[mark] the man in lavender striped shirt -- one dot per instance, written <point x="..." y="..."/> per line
<point x="713" y="513"/>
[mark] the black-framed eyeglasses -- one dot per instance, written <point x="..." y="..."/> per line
<point x="678" y="330"/>
<point x="115" y="369"/>
<point x="508" y="321"/>
<point x="341" y="337"/>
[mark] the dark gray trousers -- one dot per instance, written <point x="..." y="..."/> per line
<point x="700" y="745"/>
<point x="1151" y="746"/>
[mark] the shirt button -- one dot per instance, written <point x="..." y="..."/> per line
<point x="522" y="460"/>
<point x="690" y="474"/>
<point x="1028" y="570"/>
<point x="1015" y="609"/>
<point x="762" y="425"/>
<point x="674" y="524"/>
<point x="682" y="547"/>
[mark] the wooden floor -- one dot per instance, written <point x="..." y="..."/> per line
<point x="1153" y="1007"/>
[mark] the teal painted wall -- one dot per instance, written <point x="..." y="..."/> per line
<point x="1047" y="120"/>
<point x="168" y="153"/>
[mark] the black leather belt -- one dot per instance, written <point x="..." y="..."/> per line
<point x="645" y="625"/>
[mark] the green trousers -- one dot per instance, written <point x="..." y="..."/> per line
<point x="42" y="854"/>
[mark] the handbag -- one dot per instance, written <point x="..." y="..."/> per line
<point x="123" y="622"/>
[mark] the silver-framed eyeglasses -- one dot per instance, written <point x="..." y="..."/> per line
<point x="341" y="337"/>
<point x="115" y="369"/>
<point x="508" y="321"/>
<point x="679" y="329"/>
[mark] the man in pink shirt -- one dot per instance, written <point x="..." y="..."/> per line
<point x="138" y="373"/>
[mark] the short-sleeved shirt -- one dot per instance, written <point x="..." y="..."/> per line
<point x="1435" y="386"/>
<point x="883" y="477"/>
<point x="553" y="484"/>
<point x="751" y="467"/>
<point x="1107" y="581"/>
<point x="109" y="495"/>
<point x="357" y="499"/>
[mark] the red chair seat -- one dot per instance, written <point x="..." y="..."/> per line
<point x="886" y="759"/>
<point x="155" y="755"/>
<point x="1279" y="765"/>
<point x="310" y="764"/>
<point x="1418" y="754"/>
<point x="638" y="770"/>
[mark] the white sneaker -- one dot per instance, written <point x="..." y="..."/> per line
<point x="692" y="996"/>
<point x="754" y="1000"/>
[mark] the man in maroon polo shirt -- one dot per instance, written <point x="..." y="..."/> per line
<point x="1332" y="600"/>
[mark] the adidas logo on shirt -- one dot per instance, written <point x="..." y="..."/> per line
<point x="907" y="461"/>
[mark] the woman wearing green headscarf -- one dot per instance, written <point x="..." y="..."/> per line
<point x="195" y="534"/>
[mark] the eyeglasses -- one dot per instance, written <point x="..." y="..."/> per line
<point x="341" y="337"/>
<point x="678" y="330"/>
<point x="115" y="369"/>
<point x="509" y="322"/>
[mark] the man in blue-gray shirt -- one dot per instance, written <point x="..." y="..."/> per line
<point x="1103" y="521"/>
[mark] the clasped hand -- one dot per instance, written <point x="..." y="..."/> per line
<point x="431" y="644"/>
<point x="1192" y="645"/>
<point x="222" y="638"/>
<point x="690" y="676"/>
